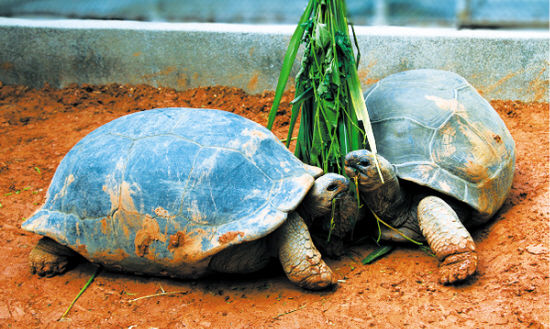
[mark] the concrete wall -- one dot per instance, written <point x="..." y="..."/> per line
<point x="501" y="64"/>
<point x="363" y="12"/>
<point x="511" y="13"/>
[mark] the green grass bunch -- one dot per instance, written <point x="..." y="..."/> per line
<point x="328" y="92"/>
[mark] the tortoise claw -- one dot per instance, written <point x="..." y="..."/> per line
<point x="457" y="267"/>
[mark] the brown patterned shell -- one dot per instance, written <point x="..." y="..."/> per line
<point x="437" y="131"/>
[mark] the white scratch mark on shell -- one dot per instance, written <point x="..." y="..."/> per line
<point x="250" y="147"/>
<point x="68" y="181"/>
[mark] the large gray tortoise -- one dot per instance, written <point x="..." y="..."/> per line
<point x="182" y="193"/>
<point x="446" y="157"/>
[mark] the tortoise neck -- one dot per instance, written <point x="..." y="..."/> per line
<point x="308" y="211"/>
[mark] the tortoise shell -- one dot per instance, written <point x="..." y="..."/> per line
<point x="153" y="190"/>
<point x="437" y="131"/>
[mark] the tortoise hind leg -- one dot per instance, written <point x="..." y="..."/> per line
<point x="48" y="258"/>
<point x="300" y="259"/>
<point x="448" y="239"/>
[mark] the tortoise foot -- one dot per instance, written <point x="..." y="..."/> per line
<point x="48" y="258"/>
<point x="317" y="276"/>
<point x="457" y="267"/>
<point x="300" y="258"/>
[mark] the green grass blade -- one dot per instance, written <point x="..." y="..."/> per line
<point x="362" y="114"/>
<point x="376" y="254"/>
<point x="296" y="104"/>
<point x="360" y="107"/>
<point x="303" y="96"/>
<point x="329" y="125"/>
<point x="358" y="58"/>
<point x="288" y="62"/>
<point x="97" y="270"/>
<point x="379" y="220"/>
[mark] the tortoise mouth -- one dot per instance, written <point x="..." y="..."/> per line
<point x="355" y="170"/>
<point x="332" y="184"/>
<point x="357" y="164"/>
<point x="340" y="195"/>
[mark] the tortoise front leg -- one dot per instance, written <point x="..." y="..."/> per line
<point x="300" y="259"/>
<point x="448" y="239"/>
<point x="49" y="258"/>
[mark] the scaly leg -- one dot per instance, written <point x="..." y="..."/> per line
<point x="300" y="259"/>
<point x="448" y="239"/>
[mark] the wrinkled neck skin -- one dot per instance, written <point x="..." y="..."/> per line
<point x="396" y="207"/>
<point x="311" y="209"/>
<point x="388" y="201"/>
<point x="402" y="212"/>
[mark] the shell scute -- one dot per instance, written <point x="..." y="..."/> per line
<point x="89" y="188"/>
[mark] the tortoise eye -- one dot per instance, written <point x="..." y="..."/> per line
<point x="332" y="187"/>
<point x="364" y="163"/>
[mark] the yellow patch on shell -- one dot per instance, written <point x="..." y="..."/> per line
<point x="447" y="140"/>
<point x="446" y="104"/>
<point x="285" y="165"/>
<point x="424" y="172"/>
<point x="35" y="224"/>
<point x="186" y="247"/>
<point x="230" y="237"/>
<point x="148" y="233"/>
<point x="254" y="194"/>
<point x="445" y="187"/>
<point x="161" y="212"/>
<point x="255" y="133"/>
<point x="195" y="214"/>
<point x="483" y="156"/>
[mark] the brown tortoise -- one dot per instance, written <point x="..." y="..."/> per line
<point x="447" y="160"/>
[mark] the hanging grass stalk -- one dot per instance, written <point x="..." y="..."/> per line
<point x="378" y="220"/>
<point x="96" y="272"/>
<point x="328" y="91"/>
<point x="332" y="223"/>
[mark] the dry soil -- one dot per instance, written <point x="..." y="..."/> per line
<point x="38" y="127"/>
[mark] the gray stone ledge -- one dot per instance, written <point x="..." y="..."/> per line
<point x="501" y="64"/>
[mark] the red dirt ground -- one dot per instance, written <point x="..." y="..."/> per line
<point x="37" y="128"/>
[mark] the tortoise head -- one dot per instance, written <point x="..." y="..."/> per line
<point x="361" y="165"/>
<point x="318" y="201"/>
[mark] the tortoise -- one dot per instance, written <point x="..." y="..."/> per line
<point x="183" y="193"/>
<point x="447" y="160"/>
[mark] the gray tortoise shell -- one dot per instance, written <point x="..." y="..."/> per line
<point x="170" y="186"/>
<point x="437" y="131"/>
